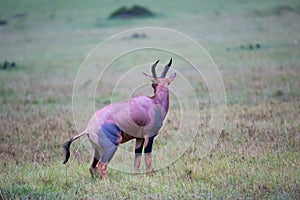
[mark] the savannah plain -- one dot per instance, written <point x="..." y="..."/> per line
<point x="256" y="46"/>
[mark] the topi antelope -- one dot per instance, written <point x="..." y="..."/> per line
<point x="138" y="118"/>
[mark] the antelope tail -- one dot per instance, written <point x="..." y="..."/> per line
<point x="68" y="144"/>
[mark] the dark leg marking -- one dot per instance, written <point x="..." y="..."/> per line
<point x="148" y="148"/>
<point x="94" y="163"/>
<point x="140" y="149"/>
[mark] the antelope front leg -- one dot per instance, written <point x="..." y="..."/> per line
<point x="137" y="162"/>
<point x="148" y="154"/>
<point x="148" y="161"/>
<point x="138" y="154"/>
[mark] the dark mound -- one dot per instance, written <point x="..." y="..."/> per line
<point x="128" y="13"/>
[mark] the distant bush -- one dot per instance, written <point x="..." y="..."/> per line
<point x="276" y="11"/>
<point x="7" y="65"/>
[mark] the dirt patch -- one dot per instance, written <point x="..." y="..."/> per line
<point x="135" y="36"/>
<point x="18" y="15"/>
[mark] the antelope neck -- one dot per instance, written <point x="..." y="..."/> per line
<point x="161" y="97"/>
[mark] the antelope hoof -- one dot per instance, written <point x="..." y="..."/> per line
<point x="149" y="174"/>
<point x="94" y="172"/>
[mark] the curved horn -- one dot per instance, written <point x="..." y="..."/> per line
<point x="153" y="69"/>
<point x="164" y="73"/>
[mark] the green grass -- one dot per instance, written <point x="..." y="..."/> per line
<point x="257" y="154"/>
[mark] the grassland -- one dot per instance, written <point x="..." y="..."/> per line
<point x="257" y="154"/>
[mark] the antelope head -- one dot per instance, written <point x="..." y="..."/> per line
<point x="160" y="81"/>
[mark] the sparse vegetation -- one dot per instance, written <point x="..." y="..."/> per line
<point x="257" y="155"/>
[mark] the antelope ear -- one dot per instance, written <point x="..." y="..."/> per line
<point x="172" y="76"/>
<point x="149" y="77"/>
